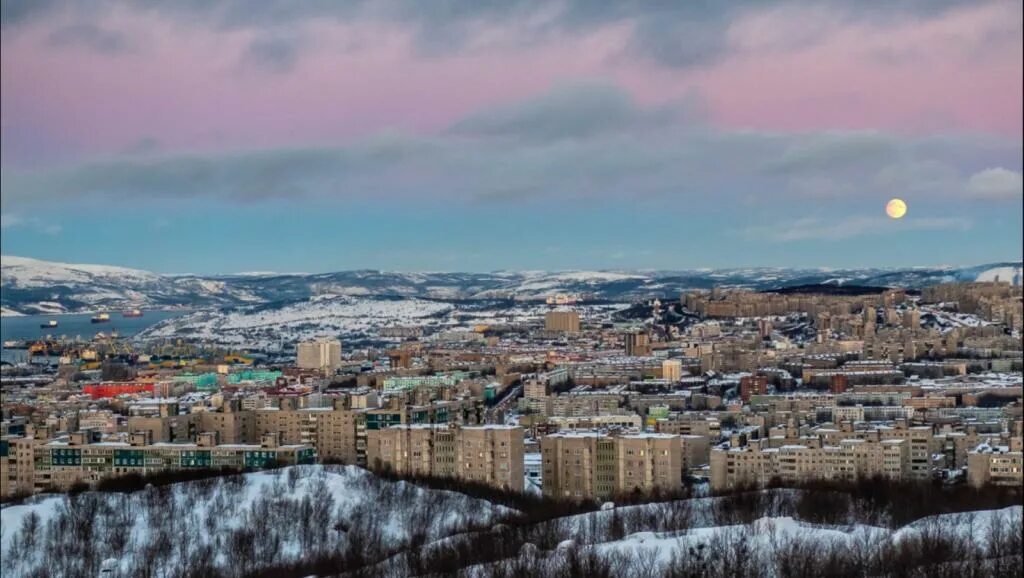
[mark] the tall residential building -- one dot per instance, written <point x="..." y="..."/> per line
<point x="870" y="314"/>
<point x="488" y="454"/>
<point x="838" y="384"/>
<point x="672" y="369"/>
<point x="752" y="385"/>
<point x="323" y="354"/>
<point x="587" y="465"/>
<point x="400" y="359"/>
<point x="912" y="319"/>
<point x="638" y="344"/>
<point x="566" y="321"/>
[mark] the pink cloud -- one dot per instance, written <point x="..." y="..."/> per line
<point x="183" y="88"/>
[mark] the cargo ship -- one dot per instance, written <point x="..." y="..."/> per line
<point x="132" y="313"/>
<point x="49" y="324"/>
<point x="100" y="318"/>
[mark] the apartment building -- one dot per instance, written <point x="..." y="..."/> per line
<point x="755" y="464"/>
<point x="331" y="431"/>
<point x="17" y="463"/>
<point x="696" y="451"/>
<point x="588" y="465"/>
<point x="920" y="440"/>
<point x="751" y="385"/>
<point x="488" y="454"/>
<point x="562" y="321"/>
<point x="589" y="422"/>
<point x="322" y="354"/>
<point x="638" y="344"/>
<point x="101" y="420"/>
<point x="858" y="413"/>
<point x="338" y="432"/>
<point x="81" y="457"/>
<point x="536" y="389"/>
<point x="672" y="370"/>
<point x="689" y="424"/>
<point x="577" y="404"/>
<point x="998" y="465"/>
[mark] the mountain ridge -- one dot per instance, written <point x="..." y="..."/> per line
<point x="38" y="286"/>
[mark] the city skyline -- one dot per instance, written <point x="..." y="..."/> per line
<point x="406" y="137"/>
<point x="510" y="288"/>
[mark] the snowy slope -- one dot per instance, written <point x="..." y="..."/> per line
<point x="348" y="317"/>
<point x="272" y="518"/>
<point x="325" y="315"/>
<point x="770" y="546"/>
<point x="28" y="283"/>
<point x="1005" y="274"/>
<point x="25" y="272"/>
<point x="200" y="517"/>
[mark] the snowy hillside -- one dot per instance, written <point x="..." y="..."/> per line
<point x="24" y="272"/>
<point x="275" y="516"/>
<point x="325" y="315"/>
<point x="783" y="546"/>
<point x="348" y="518"/>
<point x="33" y="286"/>
<point x="1004" y="274"/>
<point x="347" y="317"/>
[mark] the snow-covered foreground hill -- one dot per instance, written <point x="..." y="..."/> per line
<point x="694" y="538"/>
<point x="347" y="518"/>
<point x="783" y="546"/>
<point x="240" y="522"/>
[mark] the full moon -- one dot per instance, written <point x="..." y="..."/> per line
<point x="896" y="208"/>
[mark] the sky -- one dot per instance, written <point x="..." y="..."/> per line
<point x="271" y="135"/>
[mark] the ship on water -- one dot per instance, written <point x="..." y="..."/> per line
<point x="132" y="313"/>
<point x="49" y="324"/>
<point x="100" y="318"/>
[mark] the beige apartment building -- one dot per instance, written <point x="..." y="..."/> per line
<point x="996" y="465"/>
<point x="672" y="369"/>
<point x="588" y="465"/>
<point x="563" y="321"/>
<point x="80" y="457"/>
<point x="17" y="464"/>
<point x="487" y="454"/>
<point x="583" y="404"/>
<point x="322" y="354"/>
<point x="920" y="440"/>
<point x="689" y="424"/>
<point x="333" y="431"/>
<point x="624" y="420"/>
<point x="756" y="465"/>
<point x="696" y="451"/>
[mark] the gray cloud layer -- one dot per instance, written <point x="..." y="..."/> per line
<point x="86" y="35"/>
<point x="674" y="33"/>
<point x="567" y="111"/>
<point x="587" y="141"/>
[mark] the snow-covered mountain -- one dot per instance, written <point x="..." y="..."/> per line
<point x="35" y="286"/>
<point x="35" y="273"/>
